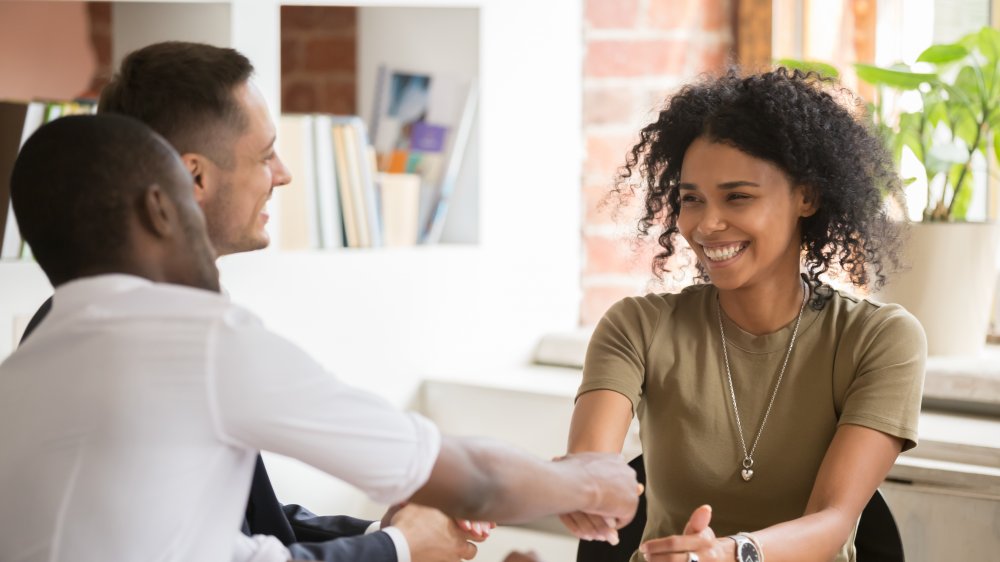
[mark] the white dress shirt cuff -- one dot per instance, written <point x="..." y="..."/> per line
<point x="398" y="540"/>
<point x="261" y="548"/>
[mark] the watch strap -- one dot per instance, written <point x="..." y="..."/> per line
<point x="742" y="538"/>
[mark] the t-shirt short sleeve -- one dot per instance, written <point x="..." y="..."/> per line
<point x="885" y="395"/>
<point x="616" y="356"/>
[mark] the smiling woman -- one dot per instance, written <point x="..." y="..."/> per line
<point x="768" y="401"/>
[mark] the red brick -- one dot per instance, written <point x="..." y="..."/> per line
<point x="717" y="15"/>
<point x="673" y="14"/>
<point x="299" y="97"/>
<point x="102" y="50"/>
<point x="609" y="14"/>
<point x="331" y="20"/>
<point x="715" y="58"/>
<point x="598" y="299"/>
<point x="606" y="154"/>
<point x="598" y="207"/>
<point x="291" y="55"/>
<point x="328" y="54"/>
<point x="635" y="58"/>
<point x="608" y="106"/>
<point x="99" y="14"/>
<point x="619" y="255"/>
<point x="603" y="207"/>
<point x="339" y="97"/>
<point x="689" y="15"/>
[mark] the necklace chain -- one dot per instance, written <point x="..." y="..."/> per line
<point x="748" y="455"/>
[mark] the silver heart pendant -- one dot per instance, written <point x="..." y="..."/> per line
<point x="747" y="474"/>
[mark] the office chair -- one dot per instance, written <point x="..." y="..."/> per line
<point x="877" y="539"/>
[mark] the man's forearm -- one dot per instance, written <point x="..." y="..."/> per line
<point x="485" y="480"/>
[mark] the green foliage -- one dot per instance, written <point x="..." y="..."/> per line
<point x="959" y="117"/>
<point x="891" y="77"/>
<point x="823" y="69"/>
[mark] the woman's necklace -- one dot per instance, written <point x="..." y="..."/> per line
<point x="747" y="471"/>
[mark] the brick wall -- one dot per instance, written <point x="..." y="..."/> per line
<point x="637" y="52"/>
<point x="318" y="59"/>
<point x="318" y="56"/>
<point x="99" y="15"/>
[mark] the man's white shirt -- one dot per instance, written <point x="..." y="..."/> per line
<point x="130" y="420"/>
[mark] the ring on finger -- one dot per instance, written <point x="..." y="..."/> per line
<point x="692" y="557"/>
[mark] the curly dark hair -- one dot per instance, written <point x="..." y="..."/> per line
<point x="792" y="119"/>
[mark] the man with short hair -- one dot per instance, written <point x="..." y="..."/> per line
<point x="132" y="416"/>
<point x="202" y="99"/>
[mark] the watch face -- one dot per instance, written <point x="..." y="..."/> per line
<point x="748" y="553"/>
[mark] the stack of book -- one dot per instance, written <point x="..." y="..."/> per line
<point x="18" y="120"/>
<point x="331" y="201"/>
<point x="345" y="193"/>
<point x="421" y="125"/>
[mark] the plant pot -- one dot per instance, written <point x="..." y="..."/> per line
<point x="950" y="271"/>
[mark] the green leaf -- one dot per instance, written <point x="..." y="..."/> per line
<point x="935" y="110"/>
<point x="968" y="83"/>
<point x="996" y="146"/>
<point x="823" y="69"/>
<point x="966" y="127"/>
<point x="908" y="135"/>
<point x="989" y="79"/>
<point x="941" y="54"/>
<point x="899" y="79"/>
<point x="987" y="40"/>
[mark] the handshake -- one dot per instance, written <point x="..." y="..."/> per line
<point x="614" y="496"/>
<point x="477" y="480"/>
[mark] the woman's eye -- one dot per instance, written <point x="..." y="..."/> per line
<point x="737" y="196"/>
<point x="688" y="199"/>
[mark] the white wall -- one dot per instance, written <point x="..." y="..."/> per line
<point x="131" y="29"/>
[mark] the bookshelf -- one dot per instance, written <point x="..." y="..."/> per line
<point x="387" y="318"/>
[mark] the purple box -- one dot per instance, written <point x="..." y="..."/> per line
<point x="427" y="138"/>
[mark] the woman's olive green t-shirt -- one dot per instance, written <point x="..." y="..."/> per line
<point x="854" y="362"/>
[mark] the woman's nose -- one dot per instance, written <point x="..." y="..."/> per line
<point x="711" y="220"/>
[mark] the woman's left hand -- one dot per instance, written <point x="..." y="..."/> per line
<point x="697" y="543"/>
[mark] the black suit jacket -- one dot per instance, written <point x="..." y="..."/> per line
<point x="307" y="536"/>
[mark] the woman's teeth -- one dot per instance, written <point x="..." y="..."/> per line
<point x="722" y="253"/>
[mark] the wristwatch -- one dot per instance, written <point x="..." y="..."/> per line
<point x="747" y="549"/>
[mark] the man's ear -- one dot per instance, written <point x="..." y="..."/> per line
<point x="197" y="166"/>
<point x="158" y="212"/>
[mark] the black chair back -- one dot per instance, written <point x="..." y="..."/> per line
<point x="877" y="539"/>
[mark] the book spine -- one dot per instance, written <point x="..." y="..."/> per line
<point x="367" y="176"/>
<point x="454" y="165"/>
<point x="347" y="204"/>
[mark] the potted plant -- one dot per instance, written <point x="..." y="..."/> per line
<point x="954" y="135"/>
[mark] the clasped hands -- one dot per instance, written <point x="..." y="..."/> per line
<point x="698" y="538"/>
<point x="433" y="536"/>
<point x="607" y="484"/>
<point x="618" y="494"/>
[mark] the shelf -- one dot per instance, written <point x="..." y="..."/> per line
<point x="432" y="306"/>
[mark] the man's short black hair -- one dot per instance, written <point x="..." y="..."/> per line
<point x="75" y="183"/>
<point x="185" y="92"/>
